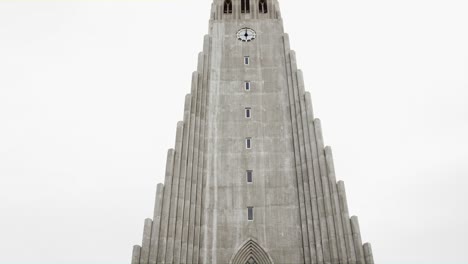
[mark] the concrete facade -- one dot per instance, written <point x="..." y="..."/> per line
<point x="299" y="212"/>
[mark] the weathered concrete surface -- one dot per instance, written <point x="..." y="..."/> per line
<point x="300" y="211"/>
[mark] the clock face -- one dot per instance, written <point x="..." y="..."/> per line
<point x="246" y="34"/>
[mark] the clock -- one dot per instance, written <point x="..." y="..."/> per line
<point x="246" y="34"/>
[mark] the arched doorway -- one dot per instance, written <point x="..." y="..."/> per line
<point x="251" y="253"/>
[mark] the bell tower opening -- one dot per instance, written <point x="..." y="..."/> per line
<point x="245" y="6"/>
<point x="228" y="7"/>
<point x="263" y="7"/>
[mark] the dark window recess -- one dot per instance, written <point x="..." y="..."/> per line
<point x="247" y="86"/>
<point x="248" y="112"/>
<point x="246" y="60"/>
<point x="227" y="7"/>
<point x="248" y="143"/>
<point x="262" y="6"/>
<point x="245" y="6"/>
<point x="250" y="214"/>
<point x="249" y="176"/>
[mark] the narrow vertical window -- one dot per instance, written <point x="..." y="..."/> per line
<point x="247" y="86"/>
<point x="228" y="7"/>
<point x="249" y="176"/>
<point x="245" y="6"/>
<point x="250" y="213"/>
<point x="248" y="143"/>
<point x="248" y="112"/>
<point x="246" y="60"/>
<point x="262" y="7"/>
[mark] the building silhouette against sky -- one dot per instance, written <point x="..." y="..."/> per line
<point x="250" y="179"/>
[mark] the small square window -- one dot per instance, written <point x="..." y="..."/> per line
<point x="247" y="86"/>
<point x="250" y="213"/>
<point x="249" y="176"/>
<point x="248" y="112"/>
<point x="248" y="143"/>
<point x="246" y="60"/>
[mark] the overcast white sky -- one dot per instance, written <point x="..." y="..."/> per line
<point x="91" y="91"/>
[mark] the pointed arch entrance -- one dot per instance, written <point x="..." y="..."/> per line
<point x="251" y="253"/>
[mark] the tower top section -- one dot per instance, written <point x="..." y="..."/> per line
<point x="245" y="9"/>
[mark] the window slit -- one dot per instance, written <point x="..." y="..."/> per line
<point x="250" y="213"/>
<point x="248" y="112"/>
<point x="249" y="176"/>
<point x="247" y="86"/>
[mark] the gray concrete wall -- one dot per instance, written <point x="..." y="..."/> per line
<point x="300" y="212"/>
<point x="273" y="193"/>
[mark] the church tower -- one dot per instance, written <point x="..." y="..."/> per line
<point x="249" y="179"/>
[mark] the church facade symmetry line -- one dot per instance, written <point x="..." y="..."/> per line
<point x="250" y="180"/>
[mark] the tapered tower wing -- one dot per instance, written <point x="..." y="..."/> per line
<point x="250" y="179"/>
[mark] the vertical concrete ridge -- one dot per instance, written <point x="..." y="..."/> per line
<point x="311" y="197"/>
<point x="277" y="10"/>
<point x="136" y="254"/>
<point x="314" y="181"/>
<point x="286" y="42"/>
<point x="368" y="253"/>
<point x="145" y="245"/>
<point x="310" y="108"/>
<point x="195" y="162"/>
<point x="300" y="83"/>
<point x="336" y="205"/>
<point x="301" y="167"/>
<point x="206" y="48"/>
<point x="271" y="6"/>
<point x="196" y="153"/>
<point x="174" y="194"/>
<point x="156" y="224"/>
<point x="200" y="63"/>
<point x="305" y="153"/>
<point x="166" y="206"/>
<point x="253" y="9"/>
<point x="202" y="144"/>
<point x="357" y="240"/>
<point x="213" y="12"/>
<point x="346" y="223"/>
<point x="189" y="174"/>
<point x="182" y="180"/>
<point x="299" y="182"/>
<point x="324" y="242"/>
<point x="236" y="11"/>
<point x="326" y="192"/>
